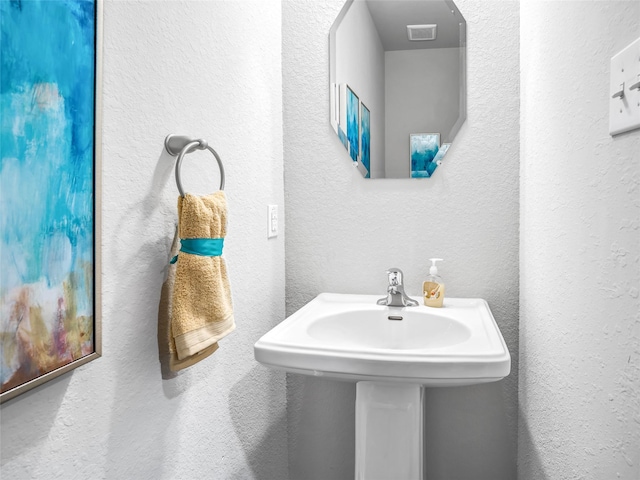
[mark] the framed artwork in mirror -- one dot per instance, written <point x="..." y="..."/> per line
<point x="50" y="167"/>
<point x="365" y="140"/>
<point x="353" y="123"/>
<point x="424" y="148"/>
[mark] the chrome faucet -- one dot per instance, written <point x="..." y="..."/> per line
<point x="395" y="291"/>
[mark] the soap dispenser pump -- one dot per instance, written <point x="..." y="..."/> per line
<point x="433" y="286"/>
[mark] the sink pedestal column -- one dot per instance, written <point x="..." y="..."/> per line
<point x="389" y="431"/>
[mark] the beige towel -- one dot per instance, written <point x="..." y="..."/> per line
<point x="169" y="360"/>
<point x="197" y="295"/>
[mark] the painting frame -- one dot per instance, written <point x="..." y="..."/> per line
<point x="423" y="153"/>
<point x="96" y="223"/>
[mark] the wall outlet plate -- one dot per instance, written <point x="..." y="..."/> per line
<point x="624" y="90"/>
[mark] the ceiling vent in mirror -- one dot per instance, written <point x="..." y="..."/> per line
<point x="420" y="33"/>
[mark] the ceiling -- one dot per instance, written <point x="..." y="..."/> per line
<point x="391" y="18"/>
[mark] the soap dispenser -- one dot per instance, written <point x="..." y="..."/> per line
<point x="433" y="287"/>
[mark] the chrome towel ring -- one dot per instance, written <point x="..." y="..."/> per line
<point x="180" y="145"/>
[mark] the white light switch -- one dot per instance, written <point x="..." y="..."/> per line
<point x="272" y="221"/>
<point x="624" y="90"/>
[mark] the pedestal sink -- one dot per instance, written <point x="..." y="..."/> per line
<point x="392" y="353"/>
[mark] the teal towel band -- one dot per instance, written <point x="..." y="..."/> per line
<point x="205" y="247"/>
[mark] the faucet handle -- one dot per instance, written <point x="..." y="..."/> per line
<point x="395" y="276"/>
<point x="395" y="291"/>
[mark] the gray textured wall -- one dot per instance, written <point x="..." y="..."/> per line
<point x="343" y="232"/>
<point x="580" y="248"/>
<point x="182" y="67"/>
<point x="421" y="97"/>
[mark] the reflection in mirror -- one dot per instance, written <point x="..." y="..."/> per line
<point x="397" y="84"/>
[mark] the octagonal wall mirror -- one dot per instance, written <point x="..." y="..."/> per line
<point x="397" y="84"/>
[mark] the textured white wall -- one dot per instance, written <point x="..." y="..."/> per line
<point x="580" y="248"/>
<point x="343" y="232"/>
<point x="210" y="69"/>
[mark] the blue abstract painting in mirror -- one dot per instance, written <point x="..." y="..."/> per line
<point x="353" y="106"/>
<point x="365" y="141"/>
<point x="424" y="148"/>
<point x="47" y="192"/>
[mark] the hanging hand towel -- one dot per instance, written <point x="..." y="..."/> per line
<point x="169" y="360"/>
<point x="201" y="310"/>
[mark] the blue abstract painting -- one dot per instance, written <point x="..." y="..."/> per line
<point x="47" y="98"/>
<point x="343" y="137"/>
<point x="353" y="107"/>
<point x="423" y="148"/>
<point x="365" y="141"/>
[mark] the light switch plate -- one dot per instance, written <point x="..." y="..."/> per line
<point x="624" y="110"/>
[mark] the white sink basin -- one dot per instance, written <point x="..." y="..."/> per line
<point x="349" y="337"/>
